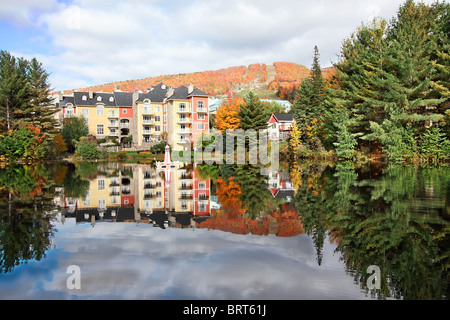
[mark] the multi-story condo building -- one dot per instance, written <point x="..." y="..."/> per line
<point x="177" y="115"/>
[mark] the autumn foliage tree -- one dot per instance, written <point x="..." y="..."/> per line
<point x="227" y="116"/>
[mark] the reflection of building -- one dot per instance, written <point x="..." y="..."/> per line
<point x="140" y="193"/>
<point x="280" y="185"/>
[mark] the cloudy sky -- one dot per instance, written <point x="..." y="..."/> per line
<point x="89" y="42"/>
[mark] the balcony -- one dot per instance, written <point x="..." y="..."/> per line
<point x="183" y="141"/>
<point x="185" y="176"/>
<point x="149" y="186"/>
<point x="184" y="120"/>
<point x="184" y="110"/>
<point x="147" y="111"/>
<point x="113" y="134"/>
<point x="186" y="187"/>
<point x="202" y="110"/>
<point x="113" y="124"/>
<point x="203" y="197"/>
<point x="148" y="122"/>
<point x="148" y="196"/>
<point x="186" y="197"/>
<point x="147" y="132"/>
<point x="184" y="131"/>
<point x="124" y="124"/>
<point x="113" y="115"/>
<point x="114" y="183"/>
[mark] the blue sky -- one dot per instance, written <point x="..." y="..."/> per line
<point x="89" y="42"/>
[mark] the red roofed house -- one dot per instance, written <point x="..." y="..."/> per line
<point x="280" y="125"/>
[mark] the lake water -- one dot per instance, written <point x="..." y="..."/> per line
<point x="308" y="231"/>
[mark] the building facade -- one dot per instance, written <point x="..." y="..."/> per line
<point x="176" y="115"/>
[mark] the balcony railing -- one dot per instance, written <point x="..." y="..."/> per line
<point x="184" y="141"/>
<point x="125" y="125"/>
<point x="147" y="132"/>
<point x="147" y="112"/>
<point x="113" y="114"/>
<point x="202" y="110"/>
<point x="148" y="122"/>
<point x="184" y="120"/>
<point x="184" y="131"/>
<point x="113" y="124"/>
<point x="113" y="134"/>
<point x="184" y="110"/>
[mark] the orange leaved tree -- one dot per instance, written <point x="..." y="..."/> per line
<point x="227" y="114"/>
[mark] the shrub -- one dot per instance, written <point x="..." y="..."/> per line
<point x="86" y="148"/>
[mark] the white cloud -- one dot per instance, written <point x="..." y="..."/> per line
<point x="24" y="11"/>
<point x="103" y="41"/>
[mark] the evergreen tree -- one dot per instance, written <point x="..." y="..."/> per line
<point x="302" y="106"/>
<point x="252" y="114"/>
<point x="40" y="111"/>
<point x="318" y="86"/>
<point x="310" y="96"/>
<point x="14" y="92"/>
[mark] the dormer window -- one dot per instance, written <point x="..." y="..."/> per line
<point x="99" y="98"/>
<point x="84" y="98"/>
<point x="111" y="99"/>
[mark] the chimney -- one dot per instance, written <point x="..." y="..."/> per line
<point x="190" y="88"/>
<point x="135" y="97"/>
<point x="170" y="92"/>
<point x="91" y="93"/>
<point x="61" y="95"/>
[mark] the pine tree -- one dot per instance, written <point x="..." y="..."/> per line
<point x="252" y="114"/>
<point x="14" y="93"/>
<point x="318" y="86"/>
<point x="40" y="111"/>
<point x="302" y="107"/>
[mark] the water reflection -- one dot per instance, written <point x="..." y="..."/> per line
<point x="394" y="217"/>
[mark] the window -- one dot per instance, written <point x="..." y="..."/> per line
<point x="124" y="111"/>
<point x="101" y="203"/>
<point x="200" y="104"/>
<point x="201" y="207"/>
<point x="86" y="120"/>
<point x="157" y="109"/>
<point x="182" y="106"/>
<point x="84" y="98"/>
<point x="99" y="110"/>
<point x="85" y="112"/>
<point x="158" y="118"/>
<point x="101" y="184"/>
<point x="100" y="130"/>
<point x="158" y="184"/>
<point x="201" y="116"/>
<point x="200" y="126"/>
<point x="184" y="205"/>
<point x="111" y="99"/>
<point x="69" y="112"/>
<point x="99" y="98"/>
<point x="165" y="118"/>
<point x="158" y="194"/>
<point x="157" y="128"/>
<point x="202" y="185"/>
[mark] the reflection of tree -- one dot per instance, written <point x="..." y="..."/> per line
<point x="310" y="202"/>
<point x="26" y="195"/>
<point x="396" y="222"/>
<point x="255" y="196"/>
<point x="76" y="182"/>
<point x="247" y="204"/>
